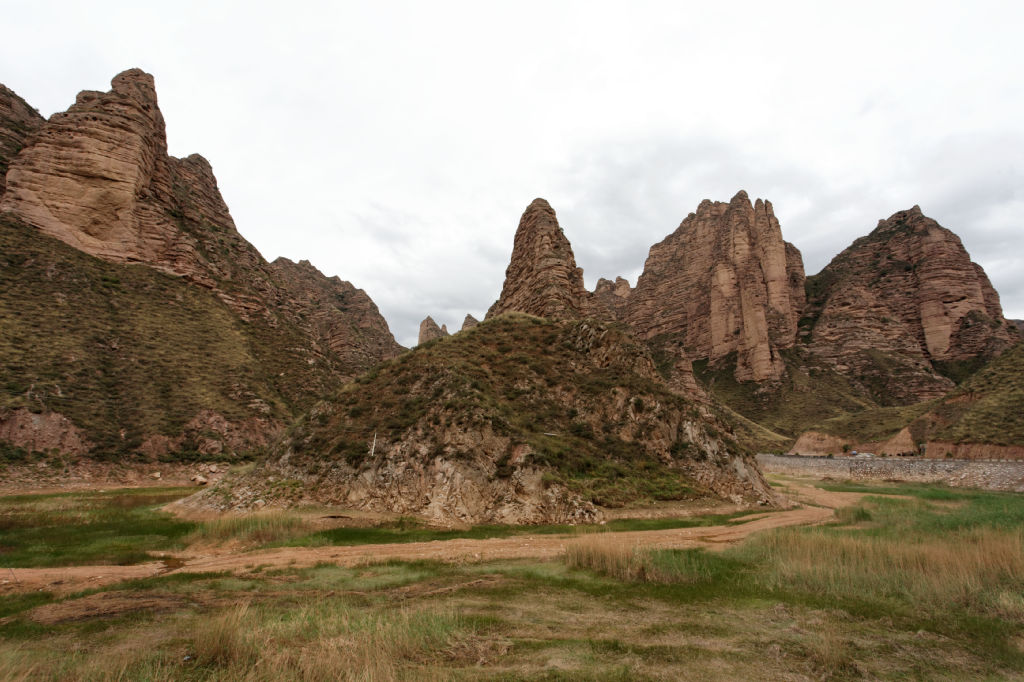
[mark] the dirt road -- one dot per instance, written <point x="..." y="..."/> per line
<point x="817" y="508"/>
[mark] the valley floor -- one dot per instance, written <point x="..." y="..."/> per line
<point x="904" y="582"/>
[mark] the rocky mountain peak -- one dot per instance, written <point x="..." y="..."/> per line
<point x="741" y="198"/>
<point x="613" y="295"/>
<point x="915" y="276"/>
<point x="430" y="331"/>
<point x="542" y="278"/>
<point x="98" y="177"/>
<point x="469" y="322"/>
<point x="135" y="82"/>
<point x="726" y="282"/>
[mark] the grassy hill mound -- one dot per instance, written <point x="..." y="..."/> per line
<point x="518" y="419"/>
<point x="127" y="353"/>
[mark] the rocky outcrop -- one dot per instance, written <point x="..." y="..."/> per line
<point x="42" y="432"/>
<point x="725" y="282"/>
<point x="99" y="178"/>
<point x="133" y="356"/>
<point x="469" y="323"/>
<point x="430" y="331"/>
<point x="467" y="431"/>
<point x="18" y="122"/>
<point x="613" y="295"/>
<point x="902" y="303"/>
<point x="542" y="278"/>
<point x="858" y="334"/>
<point x="342" y="320"/>
<point x="816" y="443"/>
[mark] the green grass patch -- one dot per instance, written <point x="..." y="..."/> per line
<point x="116" y="527"/>
<point x="408" y="529"/>
<point x="944" y="560"/>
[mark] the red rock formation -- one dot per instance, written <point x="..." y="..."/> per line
<point x="613" y="295"/>
<point x="98" y="177"/>
<point x="18" y="122"/>
<point x="542" y="278"/>
<point x="430" y="331"/>
<point x="42" y="432"/>
<point x="818" y="444"/>
<point x="909" y="294"/>
<point x="859" y="335"/>
<point x="336" y="314"/>
<point x="726" y="282"/>
<point x="469" y="323"/>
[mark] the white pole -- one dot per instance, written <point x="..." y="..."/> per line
<point x="374" y="446"/>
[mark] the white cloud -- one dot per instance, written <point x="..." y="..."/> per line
<point x="395" y="144"/>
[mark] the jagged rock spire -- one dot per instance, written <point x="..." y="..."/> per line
<point x="430" y="331"/>
<point x="542" y="278"/>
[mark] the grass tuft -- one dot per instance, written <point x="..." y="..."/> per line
<point x="254" y="529"/>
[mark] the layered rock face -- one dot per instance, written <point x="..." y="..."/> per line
<point x="99" y="178"/>
<point x="334" y="313"/>
<point x="858" y="335"/>
<point x="613" y="295"/>
<point x="469" y="323"/>
<point x="909" y="296"/>
<point x="208" y="327"/>
<point x="430" y="331"/>
<point x="18" y="121"/>
<point x="725" y="282"/>
<point x="542" y="278"/>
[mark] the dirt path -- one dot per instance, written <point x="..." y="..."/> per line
<point x="818" y="508"/>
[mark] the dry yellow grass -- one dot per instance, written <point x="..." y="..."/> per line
<point x="608" y="555"/>
<point x="261" y="528"/>
<point x="605" y="554"/>
<point x="979" y="567"/>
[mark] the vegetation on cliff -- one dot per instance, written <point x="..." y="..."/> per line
<point x="579" y="400"/>
<point x="126" y="352"/>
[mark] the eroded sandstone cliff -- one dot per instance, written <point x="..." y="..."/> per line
<point x="542" y="278"/>
<point x="614" y="296"/>
<point x="207" y="330"/>
<point x="99" y="178"/>
<point x="430" y="331"/>
<point x="904" y="308"/>
<point x="725" y="282"/>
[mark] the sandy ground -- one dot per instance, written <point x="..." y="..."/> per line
<point x="814" y="506"/>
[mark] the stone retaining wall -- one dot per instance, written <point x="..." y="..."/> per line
<point x="1006" y="475"/>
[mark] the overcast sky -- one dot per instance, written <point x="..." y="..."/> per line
<point x="396" y="144"/>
